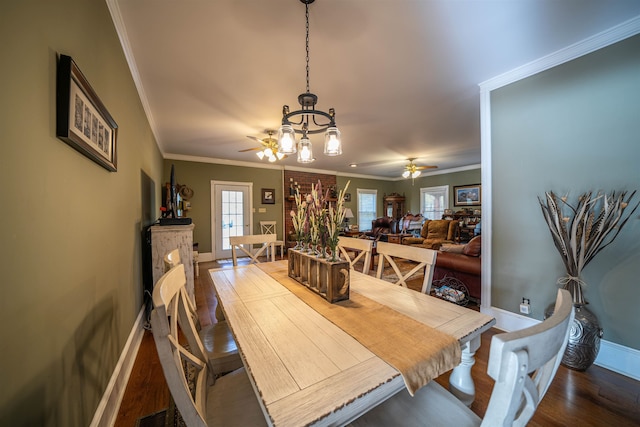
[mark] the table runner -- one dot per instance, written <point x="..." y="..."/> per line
<point x="419" y="352"/>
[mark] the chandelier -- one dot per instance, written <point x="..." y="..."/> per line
<point x="308" y="120"/>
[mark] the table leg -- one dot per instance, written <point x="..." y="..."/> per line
<point x="460" y="382"/>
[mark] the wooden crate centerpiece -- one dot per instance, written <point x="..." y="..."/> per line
<point x="328" y="279"/>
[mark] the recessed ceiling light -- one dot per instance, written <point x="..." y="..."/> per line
<point x="353" y="165"/>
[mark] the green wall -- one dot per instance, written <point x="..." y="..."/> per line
<point x="412" y="190"/>
<point x="570" y="129"/>
<point x="71" y="231"/>
<point x="198" y="176"/>
<point x="356" y="183"/>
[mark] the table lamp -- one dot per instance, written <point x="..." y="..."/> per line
<point x="347" y="214"/>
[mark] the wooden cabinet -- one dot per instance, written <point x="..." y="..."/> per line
<point x="393" y="205"/>
<point x="166" y="238"/>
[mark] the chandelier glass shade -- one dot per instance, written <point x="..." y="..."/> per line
<point x="308" y="120"/>
<point x="305" y="153"/>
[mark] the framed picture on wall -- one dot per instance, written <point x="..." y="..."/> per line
<point x="268" y="196"/>
<point x="467" y="195"/>
<point x="82" y="120"/>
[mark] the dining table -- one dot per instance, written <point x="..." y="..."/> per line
<point x="315" y="363"/>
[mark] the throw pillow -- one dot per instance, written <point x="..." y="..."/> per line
<point x="456" y="249"/>
<point x="473" y="247"/>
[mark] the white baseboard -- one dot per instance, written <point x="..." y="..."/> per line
<point x="205" y="257"/>
<point x="615" y="357"/>
<point x="105" y="415"/>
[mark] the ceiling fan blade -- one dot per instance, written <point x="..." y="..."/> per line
<point x="250" y="149"/>
<point x="256" y="139"/>
<point x="419" y="168"/>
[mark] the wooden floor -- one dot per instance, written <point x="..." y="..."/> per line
<point x="596" y="397"/>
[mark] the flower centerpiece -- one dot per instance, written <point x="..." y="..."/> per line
<point x="334" y="219"/>
<point x="317" y="221"/>
<point x="299" y="218"/>
<point x="580" y="232"/>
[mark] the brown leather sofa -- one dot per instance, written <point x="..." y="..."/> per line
<point x="380" y="227"/>
<point x="434" y="233"/>
<point x="462" y="262"/>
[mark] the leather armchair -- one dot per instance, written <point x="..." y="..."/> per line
<point x="381" y="226"/>
<point x="434" y="233"/>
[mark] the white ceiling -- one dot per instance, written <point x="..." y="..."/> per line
<point x="402" y="75"/>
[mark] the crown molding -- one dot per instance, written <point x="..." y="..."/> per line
<point x="598" y="41"/>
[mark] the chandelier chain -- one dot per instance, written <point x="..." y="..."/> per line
<point x="307" y="41"/>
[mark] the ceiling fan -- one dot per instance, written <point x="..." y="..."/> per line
<point x="411" y="170"/>
<point x="268" y="148"/>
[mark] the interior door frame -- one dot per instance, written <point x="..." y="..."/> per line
<point x="215" y="220"/>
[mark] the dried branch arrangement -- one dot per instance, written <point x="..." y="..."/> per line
<point x="580" y="232"/>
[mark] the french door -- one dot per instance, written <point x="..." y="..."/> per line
<point x="230" y="214"/>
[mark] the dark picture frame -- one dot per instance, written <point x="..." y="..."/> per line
<point x="82" y="120"/>
<point x="467" y="195"/>
<point x="347" y="197"/>
<point x="268" y="196"/>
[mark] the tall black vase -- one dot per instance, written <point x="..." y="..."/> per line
<point x="584" y="338"/>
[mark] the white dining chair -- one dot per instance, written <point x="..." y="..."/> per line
<point x="425" y="259"/>
<point x="355" y="250"/>
<point x="216" y="339"/>
<point x="245" y="245"/>
<point x="225" y="401"/>
<point x="522" y="363"/>
<point x="269" y="227"/>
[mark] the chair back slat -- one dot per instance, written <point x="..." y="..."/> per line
<point x="426" y="259"/>
<point x="239" y="242"/>
<point x="171" y="259"/>
<point x="356" y="249"/>
<point x="523" y="364"/>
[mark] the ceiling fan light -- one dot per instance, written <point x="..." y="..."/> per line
<point x="272" y="158"/>
<point x="279" y="155"/>
<point x="305" y="151"/>
<point x="260" y="154"/>
<point x="286" y="140"/>
<point x="268" y="152"/>
<point x="415" y="174"/>
<point x="406" y="174"/>
<point x="332" y="142"/>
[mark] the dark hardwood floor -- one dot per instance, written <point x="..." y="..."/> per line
<point x="596" y="397"/>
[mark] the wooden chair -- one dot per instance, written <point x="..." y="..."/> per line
<point x="266" y="240"/>
<point x="269" y="227"/>
<point x="359" y="248"/>
<point x="523" y="364"/>
<point x="229" y="400"/>
<point x="426" y="259"/>
<point x="216" y="340"/>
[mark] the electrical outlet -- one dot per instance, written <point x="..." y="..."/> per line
<point x="525" y="306"/>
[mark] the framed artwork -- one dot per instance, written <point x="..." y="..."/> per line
<point x="268" y="196"/>
<point x="467" y="195"/>
<point x="82" y="120"/>
<point x="347" y="197"/>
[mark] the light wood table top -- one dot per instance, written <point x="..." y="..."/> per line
<point x="304" y="368"/>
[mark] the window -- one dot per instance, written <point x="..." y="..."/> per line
<point x="433" y="201"/>
<point x="366" y="208"/>
<point x="232" y="216"/>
